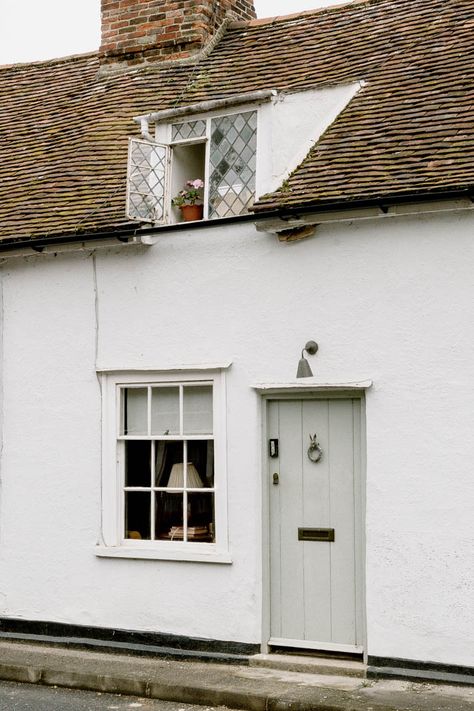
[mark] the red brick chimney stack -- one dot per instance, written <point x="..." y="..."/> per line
<point x="134" y="31"/>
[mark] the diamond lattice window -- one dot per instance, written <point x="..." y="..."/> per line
<point x="220" y="150"/>
<point x="232" y="164"/>
<point x="147" y="168"/>
<point x="190" y="129"/>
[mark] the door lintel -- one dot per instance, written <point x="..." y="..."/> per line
<point x="312" y="386"/>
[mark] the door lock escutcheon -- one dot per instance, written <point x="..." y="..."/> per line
<point x="276" y="479"/>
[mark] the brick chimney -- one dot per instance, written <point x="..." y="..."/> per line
<point x="135" y="31"/>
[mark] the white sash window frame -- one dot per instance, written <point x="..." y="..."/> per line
<point x="112" y="541"/>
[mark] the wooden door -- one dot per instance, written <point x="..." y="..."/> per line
<point x="315" y="526"/>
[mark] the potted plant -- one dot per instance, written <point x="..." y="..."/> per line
<point x="189" y="200"/>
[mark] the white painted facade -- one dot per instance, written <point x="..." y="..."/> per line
<point x="388" y="300"/>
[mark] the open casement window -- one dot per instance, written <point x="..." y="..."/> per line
<point x="167" y="492"/>
<point x="219" y="150"/>
<point x="147" y="181"/>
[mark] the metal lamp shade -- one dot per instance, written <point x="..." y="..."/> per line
<point x="176" y="480"/>
<point x="304" y="370"/>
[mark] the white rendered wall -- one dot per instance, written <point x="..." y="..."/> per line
<point x="388" y="300"/>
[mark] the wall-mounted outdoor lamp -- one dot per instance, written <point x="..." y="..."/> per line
<point x="304" y="370"/>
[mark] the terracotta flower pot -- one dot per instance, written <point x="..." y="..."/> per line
<point x="190" y="213"/>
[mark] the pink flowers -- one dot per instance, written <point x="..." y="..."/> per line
<point x="197" y="183"/>
<point x="190" y="195"/>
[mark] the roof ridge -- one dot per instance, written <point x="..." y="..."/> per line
<point x="302" y="13"/>
<point x="52" y="61"/>
<point x="214" y="40"/>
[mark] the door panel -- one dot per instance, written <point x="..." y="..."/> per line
<point x="341" y="455"/>
<point x="314" y="583"/>
<point x="289" y="489"/>
<point x="316" y="598"/>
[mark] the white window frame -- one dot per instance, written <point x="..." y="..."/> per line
<point x="113" y="544"/>
<point x="205" y="140"/>
<point x="164" y="137"/>
<point x="132" y="166"/>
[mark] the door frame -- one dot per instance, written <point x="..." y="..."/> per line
<point x="303" y="391"/>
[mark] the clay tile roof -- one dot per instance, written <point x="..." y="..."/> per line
<point x="64" y="126"/>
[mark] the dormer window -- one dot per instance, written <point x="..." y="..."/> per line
<point x="220" y="150"/>
<point x="241" y="147"/>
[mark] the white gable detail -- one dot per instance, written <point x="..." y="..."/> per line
<point x="289" y="127"/>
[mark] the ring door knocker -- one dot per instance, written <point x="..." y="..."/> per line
<point x="314" y="450"/>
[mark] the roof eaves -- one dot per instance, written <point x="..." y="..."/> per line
<point x="381" y="201"/>
<point x="287" y="214"/>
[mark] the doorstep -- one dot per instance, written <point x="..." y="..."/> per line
<point x="310" y="664"/>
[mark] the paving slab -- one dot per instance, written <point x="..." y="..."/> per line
<point x="238" y="687"/>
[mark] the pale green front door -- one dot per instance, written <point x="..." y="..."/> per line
<point x="315" y="524"/>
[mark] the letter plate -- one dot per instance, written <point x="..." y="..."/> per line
<point x="316" y="534"/>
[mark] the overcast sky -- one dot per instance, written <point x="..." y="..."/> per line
<point x="42" y="29"/>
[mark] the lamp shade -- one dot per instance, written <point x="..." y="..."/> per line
<point x="176" y="480"/>
<point x="304" y="370"/>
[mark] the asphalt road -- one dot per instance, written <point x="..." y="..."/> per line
<point x="31" y="697"/>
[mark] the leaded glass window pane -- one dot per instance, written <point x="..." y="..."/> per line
<point x="146" y="181"/>
<point x="190" y="129"/>
<point x="232" y="164"/>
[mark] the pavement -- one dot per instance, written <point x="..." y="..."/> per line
<point x="263" y="685"/>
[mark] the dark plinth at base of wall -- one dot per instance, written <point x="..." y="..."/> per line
<point x="383" y="667"/>
<point x="127" y="641"/>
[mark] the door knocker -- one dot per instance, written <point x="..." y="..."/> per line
<point x="314" y="450"/>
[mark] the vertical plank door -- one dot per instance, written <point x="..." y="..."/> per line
<point x="314" y="587"/>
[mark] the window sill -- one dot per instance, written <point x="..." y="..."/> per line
<point x="150" y="234"/>
<point x="162" y="553"/>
